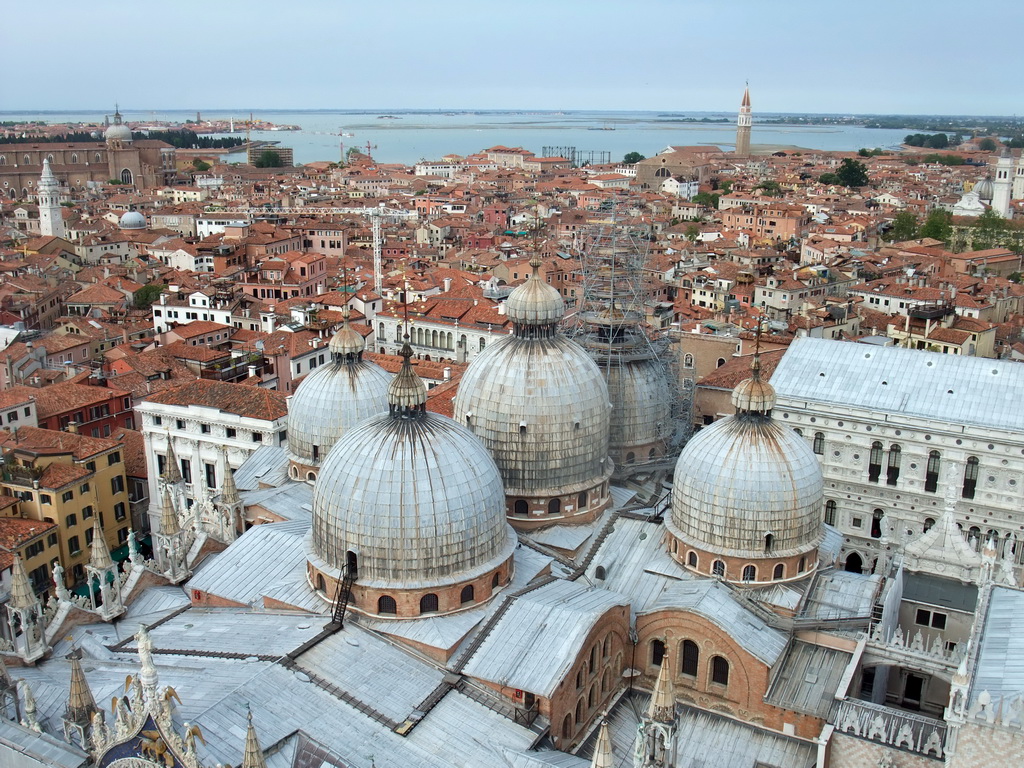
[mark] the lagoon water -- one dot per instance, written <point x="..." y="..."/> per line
<point x="415" y="134"/>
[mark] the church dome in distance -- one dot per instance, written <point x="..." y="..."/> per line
<point x="132" y="220"/>
<point x="747" y="494"/>
<point x="118" y="132"/>
<point x="412" y="503"/>
<point x="331" y="400"/>
<point x="985" y="189"/>
<point x="535" y="303"/>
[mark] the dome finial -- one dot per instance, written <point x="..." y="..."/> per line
<point x="535" y="307"/>
<point x="407" y="394"/>
<point x="754" y="396"/>
<point x="347" y="344"/>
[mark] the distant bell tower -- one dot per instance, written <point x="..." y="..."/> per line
<point x="743" y="122"/>
<point x="1002" y="184"/>
<point x="51" y="223"/>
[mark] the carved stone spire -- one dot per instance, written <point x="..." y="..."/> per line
<point x="99" y="557"/>
<point x="22" y="594"/>
<point x="662" y="708"/>
<point x="253" y="757"/>
<point x="172" y="470"/>
<point x="169" y="524"/>
<point x="81" y="705"/>
<point x="228" y="491"/>
<point x="603" y="757"/>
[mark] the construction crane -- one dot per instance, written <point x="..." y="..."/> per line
<point x="376" y="215"/>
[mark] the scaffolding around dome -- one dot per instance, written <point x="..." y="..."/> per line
<point x="614" y="324"/>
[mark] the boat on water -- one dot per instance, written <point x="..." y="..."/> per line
<point x="347" y="135"/>
<point x="388" y="117"/>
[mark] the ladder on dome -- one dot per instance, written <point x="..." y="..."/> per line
<point x="342" y="596"/>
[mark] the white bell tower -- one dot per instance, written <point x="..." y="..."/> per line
<point x="51" y="223"/>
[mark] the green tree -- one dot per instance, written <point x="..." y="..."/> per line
<point x="937" y="226"/>
<point x="201" y="165"/>
<point x="828" y="178"/>
<point x="988" y="230"/>
<point x="1014" y="277"/>
<point x="987" y="145"/>
<point x="770" y="188"/>
<point x="707" y="199"/>
<point x="904" y="227"/>
<point x="146" y="295"/>
<point x="692" y="233"/>
<point x="632" y="158"/>
<point x="852" y="173"/>
<point x="268" y="159"/>
<point x="726" y="187"/>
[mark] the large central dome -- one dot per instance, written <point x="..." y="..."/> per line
<point x="540" y="405"/>
<point x="747" y="495"/>
<point x="412" y="504"/>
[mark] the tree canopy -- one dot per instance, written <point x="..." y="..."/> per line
<point x="632" y="158"/>
<point x="268" y="159"/>
<point x="708" y="199"/>
<point x="929" y="140"/>
<point x="904" y="227"/>
<point x="852" y="173"/>
<point x="146" y="295"/>
<point x="938" y="226"/>
<point x="987" y="145"/>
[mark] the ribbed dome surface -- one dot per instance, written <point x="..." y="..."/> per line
<point x="641" y="408"/>
<point x="419" y="500"/>
<point x="754" y="395"/>
<point x="984" y="189"/>
<point x="132" y="220"/>
<point x="535" y="303"/>
<point x="741" y="478"/>
<point x="329" y="402"/>
<point x="118" y="131"/>
<point x="347" y="341"/>
<point x="540" y="405"/>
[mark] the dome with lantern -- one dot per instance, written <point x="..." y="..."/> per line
<point x="540" y="405"/>
<point x="118" y="133"/>
<point x="747" y="494"/>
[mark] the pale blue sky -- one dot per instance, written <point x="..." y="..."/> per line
<point x="900" y="56"/>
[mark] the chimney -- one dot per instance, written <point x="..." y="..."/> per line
<point x="447" y="374"/>
<point x="447" y="284"/>
<point x="501" y="307"/>
<point x="320" y="290"/>
<point x="73" y="427"/>
<point x="252" y="371"/>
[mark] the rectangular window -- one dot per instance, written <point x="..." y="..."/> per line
<point x="67" y="496"/>
<point x="86" y="512"/>
<point x="51" y="540"/>
<point x="157" y="421"/>
<point x="122" y="535"/>
<point x="114" y="458"/>
<point x="204" y="428"/>
<point x="117" y="484"/>
<point x="88" y="536"/>
<point x="119" y="511"/>
<point x="84" y="488"/>
<point x="44" y="498"/>
<point x="230" y="432"/>
<point x="180" y="423"/>
<point x="210" y="471"/>
<point x="933" y="619"/>
<point x="186" y="471"/>
<point x="73" y="546"/>
<point x="257" y="437"/>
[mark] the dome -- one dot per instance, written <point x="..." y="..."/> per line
<point x="413" y="496"/>
<point x="984" y="188"/>
<point x="746" y="486"/>
<point x="118" y="131"/>
<point x="641" y="415"/>
<point x="334" y="398"/>
<point x="132" y="220"/>
<point x="535" y="302"/>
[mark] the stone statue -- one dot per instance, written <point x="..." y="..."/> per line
<point x="133" y="549"/>
<point x="58" y="580"/>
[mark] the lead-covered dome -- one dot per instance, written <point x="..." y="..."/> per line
<point x="118" y="132"/>
<point x="985" y="189"/>
<point x="331" y="400"/>
<point x="747" y="494"/>
<point x="540" y="405"/>
<point x="411" y="501"/>
<point x="132" y="220"/>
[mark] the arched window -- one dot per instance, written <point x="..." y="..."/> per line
<point x="579" y="710"/>
<point x="802" y="564"/>
<point x="892" y="472"/>
<point x="688" y="360"/>
<point x="657" y="652"/>
<point x="662" y="173"/>
<point x="496" y="580"/>
<point x="970" y="477"/>
<point x="321" y="585"/>
<point x="749" y="573"/>
<point x="689" y="658"/>
<point x="482" y="345"/>
<point x="779" y="572"/>
<point x="819" y="443"/>
<point x="467" y="594"/>
<point x="126" y="176"/>
<point x="606" y="647"/>
<point x="651" y="454"/>
<point x="581" y="500"/>
<point x="311" y="477"/>
<point x="691" y="559"/>
<point x="97" y="157"/>
<point x="875" y="462"/>
<point x="380" y="331"/>
<point x="74" y="158"/>
<point x="599" y="573"/>
<point x="386" y="605"/>
<point x="555" y="507"/>
<point x="49" y="158"/>
<point x="3" y="159"/>
<point x="931" y="475"/>
<point x="428" y="603"/>
<point x="567" y="727"/>
<point x="718" y="568"/>
<point x="630" y="457"/>
<point x="854" y="563"/>
<point x="606" y="682"/>
<point x="521" y="507"/>
<point x="719" y="670"/>
<point x="721" y="362"/>
<point x="769" y="542"/>
<point x="26" y="160"/>
<point x="798" y="431"/>
<point x="352" y="563"/>
<point x="928" y="523"/>
<point x="592" y="696"/>
<point x="876" y="523"/>
<point x="579" y="679"/>
<point x="830" y="512"/>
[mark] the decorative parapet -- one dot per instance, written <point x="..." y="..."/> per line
<point x="921" y="651"/>
<point x="895" y="728"/>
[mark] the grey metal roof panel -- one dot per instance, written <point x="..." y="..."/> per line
<point x="999" y="668"/>
<point x="715" y="602"/>
<point x="935" y="590"/>
<point x="841" y="595"/>
<point x="265" y="558"/>
<point x="808" y="678"/>
<point x="916" y="383"/>
<point x="266" y="466"/>
<point x="291" y="501"/>
<point x="22" y="747"/>
<point x="534" y="644"/>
